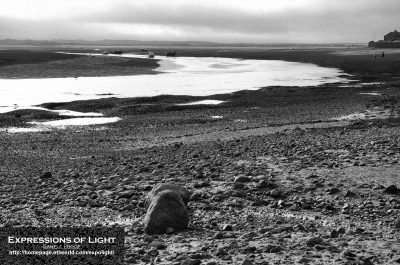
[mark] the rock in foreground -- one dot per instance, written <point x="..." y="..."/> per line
<point x="182" y="192"/>
<point x="166" y="209"/>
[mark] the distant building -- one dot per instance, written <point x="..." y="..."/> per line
<point x="371" y="43"/>
<point x="392" y="36"/>
<point x="391" y="40"/>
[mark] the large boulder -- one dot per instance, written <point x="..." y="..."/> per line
<point x="166" y="210"/>
<point x="182" y="191"/>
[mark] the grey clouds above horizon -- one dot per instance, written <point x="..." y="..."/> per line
<point x="304" y="21"/>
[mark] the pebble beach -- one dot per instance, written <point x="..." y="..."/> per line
<point x="279" y="175"/>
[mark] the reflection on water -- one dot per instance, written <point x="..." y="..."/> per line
<point x="60" y="112"/>
<point x="371" y="94"/>
<point x="78" y="121"/>
<point x="203" y="102"/>
<point x="21" y="130"/>
<point x="182" y="76"/>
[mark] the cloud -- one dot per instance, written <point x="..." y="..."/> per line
<point x="218" y="20"/>
<point x="51" y="29"/>
<point x="340" y="19"/>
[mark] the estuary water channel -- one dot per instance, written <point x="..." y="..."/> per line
<point x="180" y="76"/>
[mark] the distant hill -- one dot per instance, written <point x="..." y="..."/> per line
<point x="107" y="42"/>
<point x="27" y="42"/>
<point x="155" y="43"/>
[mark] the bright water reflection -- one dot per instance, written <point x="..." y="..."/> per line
<point x="182" y="76"/>
<point x="78" y="121"/>
<point x="203" y="102"/>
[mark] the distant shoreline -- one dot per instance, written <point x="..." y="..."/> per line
<point x="36" y="62"/>
<point x="22" y="64"/>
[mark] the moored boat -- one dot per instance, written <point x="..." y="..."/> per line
<point x="150" y="55"/>
<point x="117" y="52"/>
<point x="104" y="52"/>
<point x="173" y="53"/>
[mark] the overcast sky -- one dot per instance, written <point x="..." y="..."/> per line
<point x="256" y="21"/>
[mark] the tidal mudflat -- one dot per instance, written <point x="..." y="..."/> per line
<point x="271" y="181"/>
<point x="193" y="76"/>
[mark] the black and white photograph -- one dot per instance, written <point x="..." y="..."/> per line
<point x="207" y="132"/>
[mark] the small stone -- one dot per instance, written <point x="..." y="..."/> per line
<point x="220" y="252"/>
<point x="242" y="179"/>
<point x="349" y="193"/>
<point x="144" y="169"/>
<point x="397" y="223"/>
<point x="153" y="253"/>
<point x="204" y="184"/>
<point x="15" y="200"/>
<point x="376" y="260"/>
<point x="265" y="230"/>
<point x="148" y="239"/>
<point x="360" y="230"/>
<point x="396" y="259"/>
<point x="196" y="185"/>
<point x="250" y="218"/>
<point x="275" y="193"/>
<point x="275" y="249"/>
<point x="131" y="260"/>
<point x="191" y="262"/>
<point x="146" y="258"/>
<point x="227" y="227"/>
<point x="247" y="262"/>
<point x="93" y="203"/>
<point x="313" y="241"/>
<point x="196" y="256"/>
<point x="126" y="194"/>
<point x="391" y="189"/>
<point x="333" y="249"/>
<point x="333" y="190"/>
<point x="57" y="200"/>
<point x="17" y="209"/>
<point x="319" y="247"/>
<point x="378" y="187"/>
<point x="195" y="196"/>
<point x="46" y="175"/>
<point x="238" y="185"/>
<point x="219" y="235"/>
<point x="128" y="207"/>
<point x="263" y="184"/>
<point x="330" y="207"/>
<point x="367" y="261"/>
<point x="304" y="260"/>
<point x="348" y="253"/>
<point x="158" y="245"/>
<point x="334" y="233"/>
